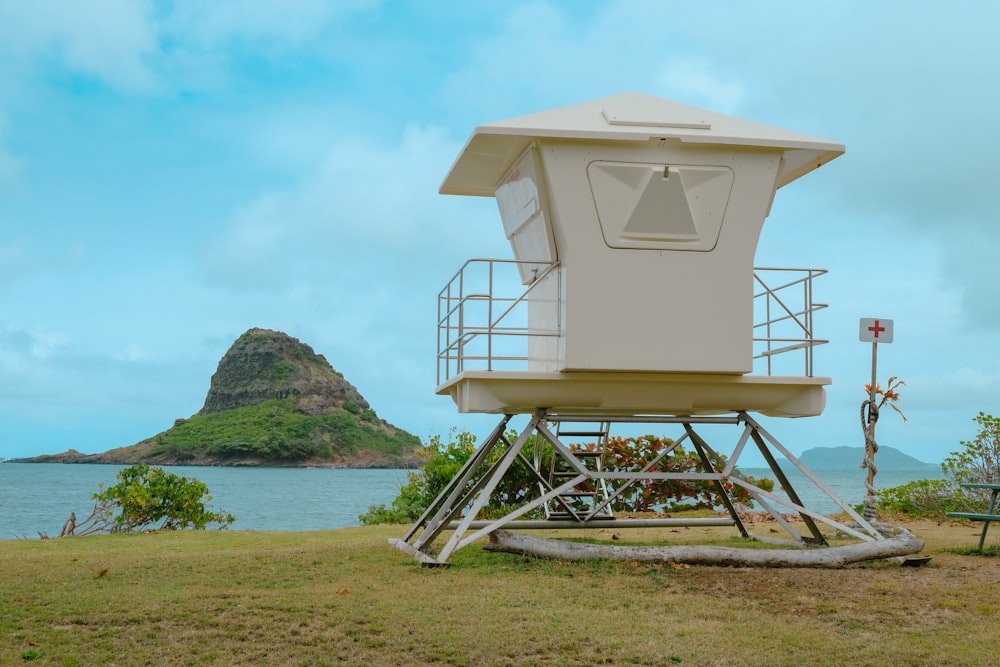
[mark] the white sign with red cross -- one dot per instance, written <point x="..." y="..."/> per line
<point x="875" y="330"/>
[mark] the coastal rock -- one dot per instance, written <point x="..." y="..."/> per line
<point x="263" y="365"/>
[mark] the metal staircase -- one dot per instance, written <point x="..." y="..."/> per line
<point x="590" y="498"/>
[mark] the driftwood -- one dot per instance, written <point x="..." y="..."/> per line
<point x="70" y="526"/>
<point x="828" y="557"/>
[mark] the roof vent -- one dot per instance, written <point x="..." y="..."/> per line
<point x="633" y="117"/>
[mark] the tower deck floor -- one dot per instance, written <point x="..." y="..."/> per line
<point x="620" y="393"/>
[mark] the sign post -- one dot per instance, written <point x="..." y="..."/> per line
<point x="874" y="331"/>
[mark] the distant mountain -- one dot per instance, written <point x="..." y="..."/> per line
<point x="272" y="402"/>
<point x="845" y="458"/>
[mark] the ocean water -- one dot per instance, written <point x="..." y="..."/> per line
<point x="849" y="484"/>
<point x="40" y="496"/>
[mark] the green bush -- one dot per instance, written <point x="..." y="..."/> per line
<point x="146" y="497"/>
<point x="443" y="461"/>
<point x="977" y="462"/>
<point x="281" y="372"/>
<point x="923" y="498"/>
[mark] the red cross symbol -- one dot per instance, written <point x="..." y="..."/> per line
<point x="875" y="331"/>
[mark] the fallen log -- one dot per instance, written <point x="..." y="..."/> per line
<point x="824" y="557"/>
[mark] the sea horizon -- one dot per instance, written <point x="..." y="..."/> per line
<point x="39" y="497"/>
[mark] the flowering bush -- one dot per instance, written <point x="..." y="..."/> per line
<point x="520" y="485"/>
<point x="628" y="454"/>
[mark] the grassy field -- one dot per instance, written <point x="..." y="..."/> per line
<point x="345" y="597"/>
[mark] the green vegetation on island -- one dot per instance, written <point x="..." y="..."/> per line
<point x="275" y="431"/>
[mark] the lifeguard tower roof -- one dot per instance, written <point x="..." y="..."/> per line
<point x="493" y="148"/>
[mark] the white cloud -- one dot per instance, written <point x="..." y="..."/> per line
<point x="205" y="44"/>
<point x="21" y="349"/>
<point x="111" y="40"/>
<point x="365" y="210"/>
<point x="542" y="55"/>
<point x="27" y="255"/>
<point x="13" y="263"/>
<point x="970" y="248"/>
<point x="145" y="46"/>
<point x="134" y="352"/>
<point x="692" y="80"/>
<point x="219" y="22"/>
<point x="957" y="388"/>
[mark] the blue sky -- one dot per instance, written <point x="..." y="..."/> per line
<point x="175" y="173"/>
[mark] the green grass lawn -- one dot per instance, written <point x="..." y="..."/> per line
<point x="345" y="597"/>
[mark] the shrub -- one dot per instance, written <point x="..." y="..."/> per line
<point x="281" y="372"/>
<point x="978" y="462"/>
<point x="626" y="454"/>
<point x="145" y="497"/>
<point x="443" y="461"/>
<point x="919" y="499"/>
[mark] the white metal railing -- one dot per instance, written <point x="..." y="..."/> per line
<point x="783" y="315"/>
<point x="480" y="329"/>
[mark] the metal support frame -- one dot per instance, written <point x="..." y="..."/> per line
<point x="458" y="506"/>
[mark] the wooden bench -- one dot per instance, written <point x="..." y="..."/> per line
<point x="988" y="517"/>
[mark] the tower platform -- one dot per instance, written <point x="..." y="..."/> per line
<point x="608" y="392"/>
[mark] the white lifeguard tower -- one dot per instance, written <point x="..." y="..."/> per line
<point x="632" y="297"/>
